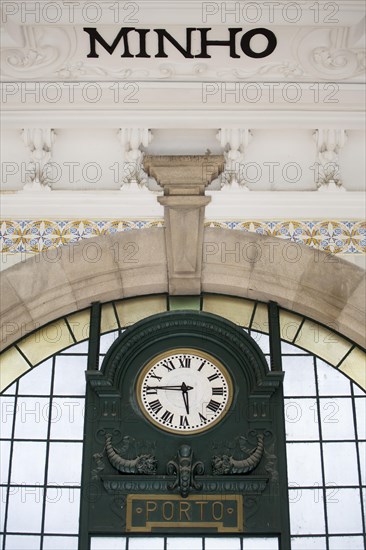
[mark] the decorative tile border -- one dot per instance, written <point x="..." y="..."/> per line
<point x="337" y="237"/>
<point x="32" y="236"/>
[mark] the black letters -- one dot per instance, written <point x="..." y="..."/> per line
<point x="163" y="35"/>
<point x="245" y="43"/>
<point x="96" y="37"/>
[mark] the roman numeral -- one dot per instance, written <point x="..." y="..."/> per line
<point x="212" y="377"/>
<point x="202" y="365"/>
<point x="151" y="391"/>
<point x="185" y="363"/>
<point x="184" y="421"/>
<point x="152" y="375"/>
<point x="168" y="364"/>
<point x="202" y="418"/>
<point x="217" y="391"/>
<point x="156" y="406"/>
<point x="213" y="405"/>
<point x="167" y="417"/>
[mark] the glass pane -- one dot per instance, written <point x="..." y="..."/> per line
<point x="337" y="418"/>
<point x="108" y="543"/>
<point x="290" y="349"/>
<point x="237" y="310"/>
<point x="60" y="543"/>
<point x="178" y="543"/>
<point x="11" y="389"/>
<point x="67" y="472"/>
<point x="106" y="340"/>
<point x="289" y="324"/>
<point x="37" y="381"/>
<point x="28" y="467"/>
<point x="67" y="418"/>
<point x="323" y="342"/>
<point x="3" y="495"/>
<point x="357" y="390"/>
<point x="47" y="341"/>
<point x="260" y="543"/>
<point x="150" y="543"/>
<point x="301" y="417"/>
<point x="6" y="416"/>
<point x="340" y="463"/>
<point x="70" y="375"/>
<point x="30" y="501"/>
<point x="346" y="543"/>
<point x="22" y="542"/>
<point x="262" y="340"/>
<point x="360" y="403"/>
<point x="185" y="302"/>
<point x="362" y="452"/>
<point x="32" y="418"/>
<point x="331" y="381"/>
<point x="307" y="543"/>
<point x="62" y="503"/>
<point x="4" y="461"/>
<point x="13" y="365"/>
<point x="222" y="542"/>
<point x="344" y="511"/>
<point x="304" y="464"/>
<point x="299" y="375"/>
<point x="82" y="347"/>
<point x="306" y="511"/>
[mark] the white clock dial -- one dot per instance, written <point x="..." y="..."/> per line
<point x="184" y="391"/>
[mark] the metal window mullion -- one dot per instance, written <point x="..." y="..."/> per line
<point x="94" y="336"/>
<point x="11" y="451"/>
<point x="276" y="366"/>
<point x="47" y="452"/>
<point x="363" y="511"/>
<point x="324" y="491"/>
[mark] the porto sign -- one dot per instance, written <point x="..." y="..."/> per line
<point x="123" y="43"/>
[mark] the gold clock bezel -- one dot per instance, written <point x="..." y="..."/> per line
<point x="191" y="351"/>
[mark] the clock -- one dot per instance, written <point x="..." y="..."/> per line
<point x="184" y="391"/>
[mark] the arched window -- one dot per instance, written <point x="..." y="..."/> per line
<point x="43" y="412"/>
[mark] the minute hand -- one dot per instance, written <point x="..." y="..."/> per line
<point x="176" y="388"/>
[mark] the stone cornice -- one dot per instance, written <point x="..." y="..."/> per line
<point x="142" y="204"/>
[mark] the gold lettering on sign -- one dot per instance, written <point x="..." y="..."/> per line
<point x="166" y="516"/>
<point x="149" y="513"/>
<point x="184" y="507"/>
<point x="151" y="506"/>
<point x="201" y="504"/>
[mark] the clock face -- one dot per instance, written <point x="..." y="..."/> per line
<point x="184" y="391"/>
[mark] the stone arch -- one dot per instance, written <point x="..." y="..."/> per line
<point x="134" y="263"/>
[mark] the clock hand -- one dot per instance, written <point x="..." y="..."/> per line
<point x="177" y="388"/>
<point x="185" y="396"/>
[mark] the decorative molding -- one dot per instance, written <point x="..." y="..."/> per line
<point x="186" y="110"/>
<point x="141" y="464"/>
<point x="34" y="236"/>
<point x="45" y="49"/>
<point x="262" y="383"/>
<point x="225" y="464"/>
<point x="131" y="140"/>
<point x="328" y="144"/>
<point x="252" y="485"/>
<point x="235" y="142"/>
<point x="185" y="469"/>
<point x="39" y="143"/>
<point x="336" y="61"/>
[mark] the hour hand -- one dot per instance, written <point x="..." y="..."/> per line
<point x="185" y="389"/>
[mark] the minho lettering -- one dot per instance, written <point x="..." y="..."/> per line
<point x="163" y="36"/>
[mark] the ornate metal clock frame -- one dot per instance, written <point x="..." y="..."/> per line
<point x="156" y="461"/>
